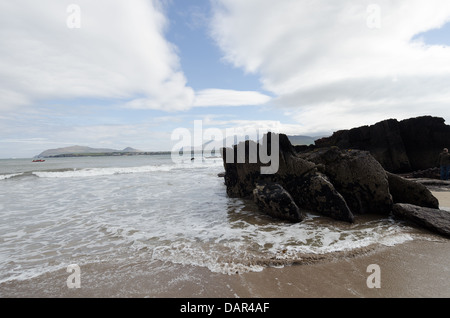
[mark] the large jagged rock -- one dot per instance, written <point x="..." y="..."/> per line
<point x="357" y="176"/>
<point x="242" y="172"/>
<point x="299" y="177"/>
<point x="383" y="140"/>
<point x="435" y="220"/>
<point x="347" y="184"/>
<point x="407" y="191"/>
<point x="424" y="138"/>
<point x="330" y="181"/>
<point x="400" y="146"/>
<point x="274" y="200"/>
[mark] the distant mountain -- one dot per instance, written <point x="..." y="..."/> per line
<point x="129" y="149"/>
<point x="80" y="150"/>
<point x="75" y="151"/>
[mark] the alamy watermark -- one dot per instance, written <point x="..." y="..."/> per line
<point x="74" y="16"/>
<point x="211" y="140"/>
<point x="374" y="279"/>
<point x="74" y="279"/>
<point x="373" y="16"/>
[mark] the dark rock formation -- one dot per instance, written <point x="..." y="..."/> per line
<point x="432" y="219"/>
<point x="331" y="182"/>
<point x="383" y="140"/>
<point x="400" y="146"/>
<point x="430" y="173"/>
<point x="407" y="191"/>
<point x="357" y="176"/>
<point x="424" y="138"/>
<point x="242" y="172"/>
<point x="274" y="200"/>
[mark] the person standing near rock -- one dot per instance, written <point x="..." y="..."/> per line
<point x="444" y="162"/>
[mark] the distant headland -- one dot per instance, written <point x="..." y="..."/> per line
<point x="81" y="151"/>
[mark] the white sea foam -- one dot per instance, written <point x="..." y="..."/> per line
<point x="174" y="213"/>
<point x="95" y="172"/>
<point x="251" y="248"/>
<point x="8" y="176"/>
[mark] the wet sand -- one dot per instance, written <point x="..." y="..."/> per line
<point x="418" y="268"/>
<point x="412" y="269"/>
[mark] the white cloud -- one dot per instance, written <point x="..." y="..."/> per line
<point x="328" y="67"/>
<point x="119" y="52"/>
<point x="223" y="97"/>
<point x="241" y="127"/>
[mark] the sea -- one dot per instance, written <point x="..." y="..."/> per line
<point x="154" y="210"/>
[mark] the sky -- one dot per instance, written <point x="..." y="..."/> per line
<point x="114" y="73"/>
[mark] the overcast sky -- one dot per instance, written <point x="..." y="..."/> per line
<point x="114" y="73"/>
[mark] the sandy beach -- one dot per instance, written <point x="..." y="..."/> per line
<point x="413" y="269"/>
<point x="419" y="268"/>
<point x="443" y="197"/>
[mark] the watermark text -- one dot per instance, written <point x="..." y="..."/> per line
<point x="74" y="280"/>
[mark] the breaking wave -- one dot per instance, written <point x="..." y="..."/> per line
<point x="95" y="172"/>
<point x="109" y="171"/>
<point x="9" y="176"/>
